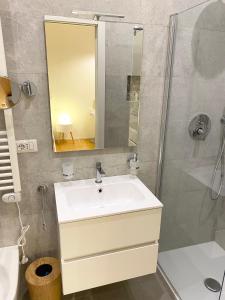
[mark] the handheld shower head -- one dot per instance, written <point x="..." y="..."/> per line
<point x="220" y="163"/>
<point x="223" y="120"/>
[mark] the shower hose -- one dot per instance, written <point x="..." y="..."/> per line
<point x="220" y="162"/>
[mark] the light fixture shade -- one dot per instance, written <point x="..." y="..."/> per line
<point x="64" y="119"/>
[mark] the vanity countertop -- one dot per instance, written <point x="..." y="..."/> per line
<point x="85" y="199"/>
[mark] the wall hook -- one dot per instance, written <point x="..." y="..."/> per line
<point x="29" y="89"/>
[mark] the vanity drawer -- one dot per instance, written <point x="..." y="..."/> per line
<point x="86" y="273"/>
<point x="88" y="237"/>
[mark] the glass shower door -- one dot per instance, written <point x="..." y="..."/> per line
<point x="190" y="251"/>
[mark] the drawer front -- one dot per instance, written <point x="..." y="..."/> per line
<point x="84" y="238"/>
<point x="86" y="273"/>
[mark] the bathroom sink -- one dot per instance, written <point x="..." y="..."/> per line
<point x="85" y="199"/>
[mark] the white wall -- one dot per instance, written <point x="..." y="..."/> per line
<point x="71" y="69"/>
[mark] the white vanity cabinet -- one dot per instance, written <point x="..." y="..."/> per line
<point x="108" y="232"/>
<point x="104" y="250"/>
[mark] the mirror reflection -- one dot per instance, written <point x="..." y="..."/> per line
<point x="9" y="93"/>
<point x="94" y="75"/>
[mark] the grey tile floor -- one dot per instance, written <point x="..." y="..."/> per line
<point x="150" y="287"/>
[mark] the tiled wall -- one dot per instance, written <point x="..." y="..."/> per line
<point x="25" y="48"/>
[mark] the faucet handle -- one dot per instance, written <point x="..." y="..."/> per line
<point x="133" y="162"/>
<point x="100" y="172"/>
<point x="134" y="158"/>
<point x="98" y="165"/>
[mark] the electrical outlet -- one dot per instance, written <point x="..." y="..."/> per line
<point x="26" y="146"/>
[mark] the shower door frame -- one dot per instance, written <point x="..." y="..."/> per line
<point x="171" y="43"/>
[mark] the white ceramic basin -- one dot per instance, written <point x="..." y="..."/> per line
<point x="85" y="199"/>
<point x="9" y="272"/>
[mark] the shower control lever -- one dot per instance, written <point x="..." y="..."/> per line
<point x="198" y="131"/>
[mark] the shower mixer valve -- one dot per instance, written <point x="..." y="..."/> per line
<point x="200" y="127"/>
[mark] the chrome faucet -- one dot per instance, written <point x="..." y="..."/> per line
<point x="99" y="172"/>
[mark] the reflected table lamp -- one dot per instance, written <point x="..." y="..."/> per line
<point x="66" y="123"/>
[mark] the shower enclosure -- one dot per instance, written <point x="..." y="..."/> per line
<point x="191" y="181"/>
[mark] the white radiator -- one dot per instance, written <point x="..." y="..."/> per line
<point x="9" y="169"/>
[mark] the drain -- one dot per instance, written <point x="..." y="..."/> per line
<point x="212" y="285"/>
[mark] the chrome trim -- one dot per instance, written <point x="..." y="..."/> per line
<point x="192" y="7"/>
<point x="97" y="15"/>
<point x="99" y="172"/>
<point x="166" y="96"/>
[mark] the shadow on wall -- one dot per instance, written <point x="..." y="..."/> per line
<point x="208" y="42"/>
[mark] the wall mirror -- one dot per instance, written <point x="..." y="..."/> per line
<point x="94" y="73"/>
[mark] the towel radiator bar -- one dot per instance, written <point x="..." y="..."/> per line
<point x="9" y="168"/>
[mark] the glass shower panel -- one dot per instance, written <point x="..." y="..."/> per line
<point x="193" y="237"/>
<point x="222" y="292"/>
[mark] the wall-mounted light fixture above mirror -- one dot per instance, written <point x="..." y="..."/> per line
<point x="94" y="71"/>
